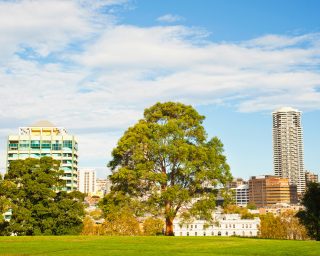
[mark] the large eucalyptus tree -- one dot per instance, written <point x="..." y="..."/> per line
<point x="165" y="164"/>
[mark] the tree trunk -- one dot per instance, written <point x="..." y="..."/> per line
<point x="169" y="226"/>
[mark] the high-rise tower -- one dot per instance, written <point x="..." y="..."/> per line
<point x="288" y="146"/>
<point x="45" y="139"/>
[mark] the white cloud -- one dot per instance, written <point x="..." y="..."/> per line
<point x="58" y="62"/>
<point x="170" y="18"/>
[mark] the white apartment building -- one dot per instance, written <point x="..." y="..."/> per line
<point x="288" y="157"/>
<point x="223" y="225"/>
<point x="87" y="181"/>
<point x="45" y="139"/>
<point x="241" y="195"/>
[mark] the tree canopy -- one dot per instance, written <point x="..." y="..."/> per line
<point x="165" y="164"/>
<point x="310" y="217"/>
<point x="38" y="207"/>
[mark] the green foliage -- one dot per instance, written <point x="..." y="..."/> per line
<point x="120" y="214"/>
<point x="310" y="217"/>
<point x="284" y="226"/>
<point x="37" y="208"/>
<point x="243" y="211"/>
<point x="252" y="206"/>
<point x="153" y="226"/>
<point x="121" y="223"/>
<point x="164" y="161"/>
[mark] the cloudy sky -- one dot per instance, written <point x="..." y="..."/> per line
<point x="93" y="66"/>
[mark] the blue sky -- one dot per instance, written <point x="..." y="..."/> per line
<point x="93" y="66"/>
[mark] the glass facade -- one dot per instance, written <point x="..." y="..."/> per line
<point x="36" y="142"/>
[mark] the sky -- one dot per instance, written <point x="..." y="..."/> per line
<point x="94" y="66"/>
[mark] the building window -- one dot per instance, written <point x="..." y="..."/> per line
<point x="35" y="144"/>
<point x="56" y="146"/>
<point x="46" y="144"/>
<point x="67" y="144"/>
<point x="24" y="144"/>
<point x="13" y="145"/>
<point x="195" y="233"/>
<point x="219" y="233"/>
<point x="187" y="233"/>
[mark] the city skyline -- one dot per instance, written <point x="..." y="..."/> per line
<point x="103" y="62"/>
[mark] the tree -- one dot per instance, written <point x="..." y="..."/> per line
<point x="284" y="226"/>
<point x="91" y="228"/>
<point x="310" y="217"/>
<point x="4" y="206"/>
<point x="120" y="213"/>
<point x="242" y="211"/>
<point x="38" y="207"/>
<point x="271" y="227"/>
<point x="153" y="226"/>
<point x="121" y="223"/>
<point x="164" y="163"/>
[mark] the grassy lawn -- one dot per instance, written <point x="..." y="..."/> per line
<point x="93" y="245"/>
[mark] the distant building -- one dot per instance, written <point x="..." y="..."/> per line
<point x="87" y="181"/>
<point x="45" y="139"/>
<point x="7" y="215"/>
<point x="236" y="183"/>
<point x="278" y="209"/>
<point x="269" y="190"/>
<point x="311" y="177"/>
<point x="103" y="187"/>
<point x="224" y="225"/>
<point x="288" y="157"/>
<point x="241" y="195"/>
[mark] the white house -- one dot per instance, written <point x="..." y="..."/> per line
<point x="223" y="225"/>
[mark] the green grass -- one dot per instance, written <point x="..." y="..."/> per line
<point x="164" y="246"/>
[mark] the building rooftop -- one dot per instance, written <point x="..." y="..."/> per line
<point x="286" y="109"/>
<point x="43" y="123"/>
<point x="244" y="186"/>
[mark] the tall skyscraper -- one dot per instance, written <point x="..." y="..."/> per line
<point x="45" y="139"/>
<point x="288" y="146"/>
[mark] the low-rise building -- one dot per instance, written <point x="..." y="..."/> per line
<point x="236" y="183"/>
<point x="311" y="177"/>
<point x="223" y="225"/>
<point x="241" y="195"/>
<point x="7" y="215"/>
<point x="103" y="187"/>
<point x="278" y="209"/>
